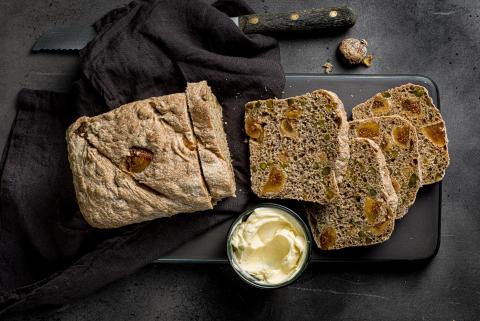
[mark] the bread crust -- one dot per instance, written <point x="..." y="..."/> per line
<point x="207" y="119"/>
<point x="398" y="140"/>
<point x="109" y="193"/>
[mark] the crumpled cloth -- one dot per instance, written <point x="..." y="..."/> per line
<point x="48" y="254"/>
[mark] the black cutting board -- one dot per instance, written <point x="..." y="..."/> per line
<point x="416" y="236"/>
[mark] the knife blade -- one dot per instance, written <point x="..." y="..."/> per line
<point x="316" y="19"/>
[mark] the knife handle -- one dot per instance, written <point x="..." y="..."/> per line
<point x="302" y="20"/>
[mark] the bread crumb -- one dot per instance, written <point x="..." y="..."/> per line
<point x="368" y="60"/>
<point x="327" y="68"/>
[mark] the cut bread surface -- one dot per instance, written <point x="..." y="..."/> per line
<point x="298" y="146"/>
<point x="364" y="214"/>
<point x="414" y="103"/>
<point x="398" y="140"/>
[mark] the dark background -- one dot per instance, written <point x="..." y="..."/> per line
<point x="439" y="39"/>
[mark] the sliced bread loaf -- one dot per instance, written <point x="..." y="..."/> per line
<point x="364" y="213"/>
<point x="298" y="146"/>
<point x="109" y="197"/>
<point x="414" y="103"/>
<point x="152" y="141"/>
<point x="207" y="119"/>
<point x="398" y="140"/>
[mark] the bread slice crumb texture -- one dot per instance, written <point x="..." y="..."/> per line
<point x="364" y="214"/>
<point x="298" y="146"/>
<point x="415" y="104"/>
<point x="397" y="138"/>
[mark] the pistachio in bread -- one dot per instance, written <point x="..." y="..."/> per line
<point x="414" y="103"/>
<point x="364" y="214"/>
<point x="398" y="140"/>
<point x="298" y="146"/>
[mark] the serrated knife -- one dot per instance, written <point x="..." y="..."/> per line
<point x="318" y="19"/>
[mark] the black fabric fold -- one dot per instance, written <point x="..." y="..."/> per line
<point x="48" y="254"/>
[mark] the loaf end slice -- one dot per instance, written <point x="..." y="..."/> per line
<point x="364" y="214"/>
<point x="414" y="103"/>
<point x="207" y="119"/>
<point x="397" y="138"/>
<point x="298" y="146"/>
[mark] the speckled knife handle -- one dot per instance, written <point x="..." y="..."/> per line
<point x="301" y="20"/>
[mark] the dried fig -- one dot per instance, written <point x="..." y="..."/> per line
<point x="411" y="106"/>
<point x="287" y="129"/>
<point x="380" y="228"/>
<point x="328" y="238"/>
<point x="138" y="160"/>
<point x="353" y="50"/>
<point x="82" y="129"/>
<point x="371" y="209"/>
<point x="276" y="181"/>
<point x="253" y="129"/>
<point x="367" y="129"/>
<point x="401" y="135"/>
<point x="380" y="106"/>
<point x="436" y="134"/>
<point x="293" y="113"/>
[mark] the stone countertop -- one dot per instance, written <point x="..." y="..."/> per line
<point x="438" y="39"/>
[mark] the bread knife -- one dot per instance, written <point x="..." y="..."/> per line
<point x="311" y="20"/>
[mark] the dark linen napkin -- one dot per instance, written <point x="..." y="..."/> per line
<point x="48" y="254"/>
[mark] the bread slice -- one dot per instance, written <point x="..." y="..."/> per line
<point x="152" y="142"/>
<point x="364" y="213"/>
<point x="207" y="119"/>
<point x="109" y="197"/>
<point x="398" y="140"/>
<point x="414" y="103"/>
<point x="298" y="146"/>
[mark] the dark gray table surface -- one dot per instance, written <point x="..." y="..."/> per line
<point x="439" y="39"/>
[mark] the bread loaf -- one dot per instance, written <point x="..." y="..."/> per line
<point x="136" y="163"/>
